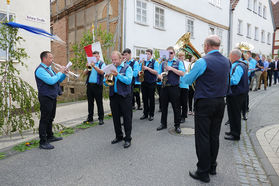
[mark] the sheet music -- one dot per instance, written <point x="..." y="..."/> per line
<point x="109" y="68"/>
<point x="143" y="57"/>
<point x="91" y="60"/>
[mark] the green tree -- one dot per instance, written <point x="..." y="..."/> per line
<point x="105" y="38"/>
<point x="18" y="99"/>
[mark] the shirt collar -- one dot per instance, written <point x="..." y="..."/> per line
<point x="122" y="64"/>
<point x="213" y="51"/>
<point x="44" y="65"/>
<point x="172" y="60"/>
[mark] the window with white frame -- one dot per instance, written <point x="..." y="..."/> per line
<point x="220" y="33"/>
<point x="159" y="17"/>
<point x="256" y="34"/>
<point x="141" y="12"/>
<point x="260" y="9"/>
<point x="268" y="38"/>
<point x="190" y="26"/>
<point x="249" y="6"/>
<point x="239" y="27"/>
<point x="255" y="6"/>
<point x="3" y="17"/>
<point x="215" y="2"/>
<point x="248" y="30"/>
<point x="138" y="51"/>
<point x="264" y="11"/>
<point x="263" y="36"/>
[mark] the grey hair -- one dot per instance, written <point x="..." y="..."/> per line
<point x="236" y="52"/>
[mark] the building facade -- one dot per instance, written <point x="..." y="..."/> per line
<point x="275" y="49"/>
<point x="157" y="24"/>
<point x="252" y="22"/>
<point x="33" y="44"/>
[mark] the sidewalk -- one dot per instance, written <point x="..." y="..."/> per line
<point x="268" y="138"/>
<point x="67" y="114"/>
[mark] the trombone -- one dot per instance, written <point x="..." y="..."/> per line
<point x="58" y="67"/>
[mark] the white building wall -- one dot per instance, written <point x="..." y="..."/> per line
<point x="242" y="12"/>
<point x="34" y="44"/>
<point x="147" y="36"/>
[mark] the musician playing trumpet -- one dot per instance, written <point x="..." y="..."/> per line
<point x="150" y="69"/>
<point x="94" y="84"/>
<point x="121" y="99"/>
<point x="48" y="89"/>
<point x="170" y="90"/>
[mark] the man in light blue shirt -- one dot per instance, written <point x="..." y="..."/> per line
<point x="264" y="73"/>
<point x="48" y="90"/>
<point x="94" y="84"/>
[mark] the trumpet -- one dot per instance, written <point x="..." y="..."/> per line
<point x="89" y="67"/>
<point x="110" y="80"/>
<point x="58" y="67"/>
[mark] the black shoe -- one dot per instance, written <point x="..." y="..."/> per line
<point x="127" y="144"/>
<point x="151" y="118"/>
<point x="228" y="133"/>
<point x="134" y="108"/>
<point x="88" y="121"/>
<point x="244" y="118"/>
<point x="196" y="176"/>
<point x="143" y="117"/>
<point x="161" y="127"/>
<point x="227" y="122"/>
<point x="53" y="138"/>
<point x="116" y="140"/>
<point x="182" y="120"/>
<point x="139" y="108"/>
<point x="101" y="122"/>
<point x="177" y="130"/>
<point x="46" y="146"/>
<point x="232" y="138"/>
<point x="250" y="89"/>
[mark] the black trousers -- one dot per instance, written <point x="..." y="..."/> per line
<point x="48" y="110"/>
<point x="275" y="76"/>
<point x="190" y="97"/>
<point x="234" y="113"/>
<point x="209" y="113"/>
<point x="122" y="106"/>
<point x="148" y="97"/>
<point x="136" y="95"/>
<point x="183" y="102"/>
<point x="244" y="106"/>
<point x="170" y="94"/>
<point x="159" y="93"/>
<point x="269" y="77"/>
<point x="95" y="91"/>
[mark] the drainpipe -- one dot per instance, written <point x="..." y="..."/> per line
<point x="124" y="24"/>
<point x="230" y="29"/>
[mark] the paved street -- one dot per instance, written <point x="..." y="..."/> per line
<point x="155" y="158"/>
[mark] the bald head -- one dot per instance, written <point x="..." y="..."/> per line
<point x="212" y="42"/>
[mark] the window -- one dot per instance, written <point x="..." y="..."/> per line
<point x="264" y="11"/>
<point x="138" y="51"/>
<point x="248" y="30"/>
<point x="141" y="12"/>
<point x="3" y="17"/>
<point x="215" y="2"/>
<point x="260" y="9"/>
<point x="249" y="6"/>
<point x="159" y="18"/>
<point x="255" y="6"/>
<point x="268" y="38"/>
<point x="256" y="34"/>
<point x="239" y="27"/>
<point x="190" y="27"/>
<point x="220" y="33"/>
<point x="263" y="36"/>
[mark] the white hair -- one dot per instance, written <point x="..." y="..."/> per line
<point x="236" y="52"/>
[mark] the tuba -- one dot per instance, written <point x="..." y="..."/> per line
<point x="185" y="44"/>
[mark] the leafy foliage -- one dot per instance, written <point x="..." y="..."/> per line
<point x="104" y="37"/>
<point x="18" y="98"/>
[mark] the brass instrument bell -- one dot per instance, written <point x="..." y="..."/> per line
<point x="110" y="80"/>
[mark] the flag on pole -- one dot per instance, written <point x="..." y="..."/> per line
<point x="35" y="30"/>
<point x="89" y="49"/>
<point x="92" y="30"/>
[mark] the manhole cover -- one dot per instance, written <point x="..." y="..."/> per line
<point x="184" y="131"/>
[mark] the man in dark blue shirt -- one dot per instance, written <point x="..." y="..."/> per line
<point x="48" y="90"/>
